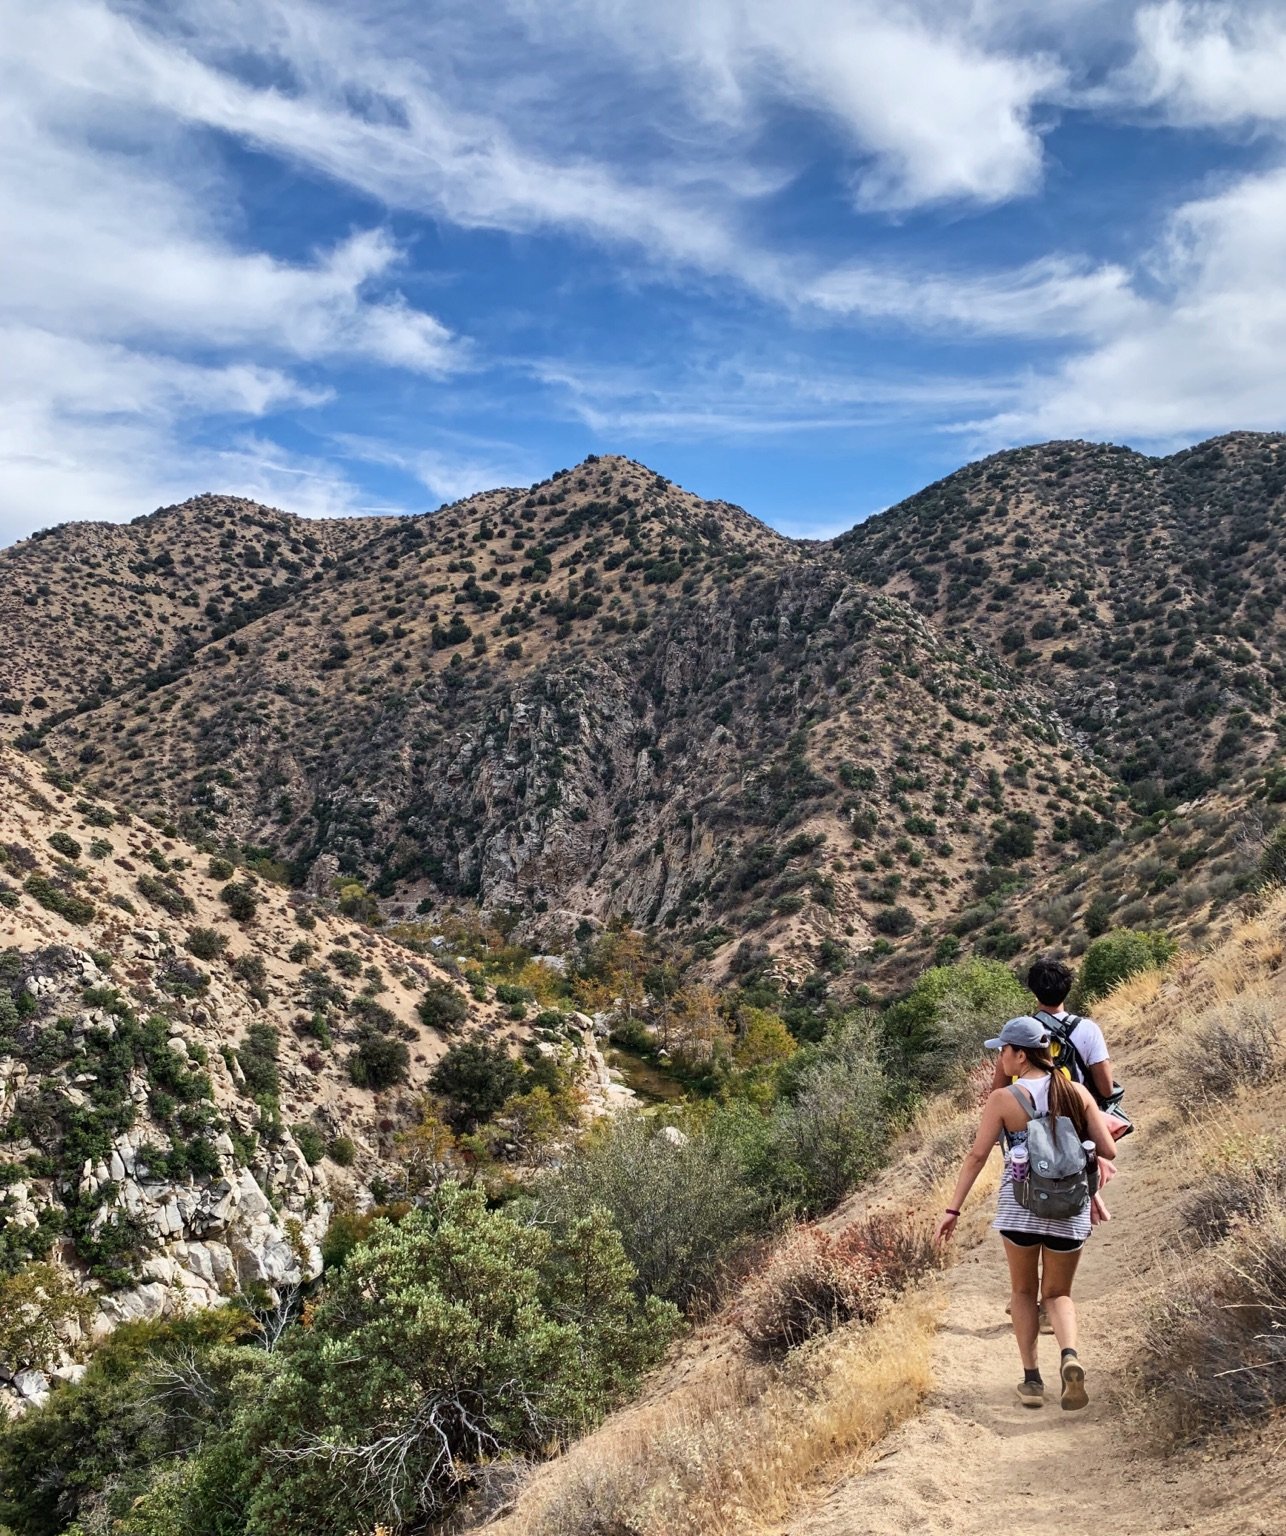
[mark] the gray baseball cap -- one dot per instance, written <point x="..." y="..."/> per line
<point x="1022" y="1032"/>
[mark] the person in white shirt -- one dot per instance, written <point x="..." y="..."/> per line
<point x="1050" y="981"/>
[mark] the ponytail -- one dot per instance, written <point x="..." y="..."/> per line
<point x="1063" y="1097"/>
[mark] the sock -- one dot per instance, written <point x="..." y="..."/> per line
<point x="1033" y="1375"/>
<point x="1070" y="1352"/>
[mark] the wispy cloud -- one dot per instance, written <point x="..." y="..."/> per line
<point x="130" y="317"/>
<point x="452" y="466"/>
<point x="929" y="106"/>
<point x="735" y="399"/>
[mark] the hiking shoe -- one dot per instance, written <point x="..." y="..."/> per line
<point x="1043" y="1323"/>
<point x="1031" y="1394"/>
<point x="1073" y="1377"/>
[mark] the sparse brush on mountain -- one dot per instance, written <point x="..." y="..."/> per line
<point x="547" y="689"/>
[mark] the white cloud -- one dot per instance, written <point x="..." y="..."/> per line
<point x="1209" y="65"/>
<point x="1203" y="355"/>
<point x="454" y="467"/>
<point x="361" y="96"/>
<point x="930" y="106"/>
<point x="94" y="429"/>
<point x="130" y="315"/>
<point x="111" y="242"/>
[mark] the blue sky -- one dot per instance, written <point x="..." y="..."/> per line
<point x="360" y="255"/>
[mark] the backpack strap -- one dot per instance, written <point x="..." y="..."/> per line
<point x="1062" y="1030"/>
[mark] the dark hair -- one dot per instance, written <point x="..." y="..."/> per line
<point x="1051" y="981"/>
<point x="1063" y="1097"/>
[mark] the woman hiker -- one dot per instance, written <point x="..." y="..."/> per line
<point x="1043" y="1252"/>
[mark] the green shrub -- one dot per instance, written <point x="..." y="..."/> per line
<point x="477" y="1334"/>
<point x="442" y="1006"/>
<point x="347" y="962"/>
<point x="378" y="1061"/>
<point x="250" y="969"/>
<point x="1115" y="957"/>
<point x="942" y="1022"/>
<point x="220" y="869"/>
<point x="1015" y="841"/>
<point x="76" y="909"/>
<point x="894" y="921"/>
<point x="832" y="1129"/>
<point x="165" y="892"/>
<point x="475" y="1079"/>
<point x="206" y="943"/>
<point x="342" y="1151"/>
<point x="241" y="900"/>
<point x="257" y="1057"/>
<point x="66" y="844"/>
<point x="1098" y="916"/>
<point x="310" y="1141"/>
<point x="681" y="1209"/>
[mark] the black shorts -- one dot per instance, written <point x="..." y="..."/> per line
<point x="1043" y="1240"/>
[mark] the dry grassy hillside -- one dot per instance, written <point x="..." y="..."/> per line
<point x="87" y="609"/>
<point x="1147" y="597"/>
<point x="1181" y="1311"/>
<point x="600" y="696"/>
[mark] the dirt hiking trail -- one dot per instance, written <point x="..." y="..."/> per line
<point x="975" y="1462"/>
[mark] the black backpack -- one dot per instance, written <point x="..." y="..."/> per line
<point x="1068" y="1059"/>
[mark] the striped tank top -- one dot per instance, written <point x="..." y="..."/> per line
<point x="1012" y="1217"/>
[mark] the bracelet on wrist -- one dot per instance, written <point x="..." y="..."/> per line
<point x="950" y="1212"/>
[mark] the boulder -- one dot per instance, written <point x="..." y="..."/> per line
<point x="32" y="1387"/>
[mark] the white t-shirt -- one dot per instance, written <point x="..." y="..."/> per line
<point x="1087" y="1037"/>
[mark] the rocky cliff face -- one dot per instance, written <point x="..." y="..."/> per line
<point x="178" y="1111"/>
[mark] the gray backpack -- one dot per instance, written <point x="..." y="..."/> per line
<point x="1058" y="1182"/>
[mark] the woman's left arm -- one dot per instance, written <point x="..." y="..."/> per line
<point x="975" y="1161"/>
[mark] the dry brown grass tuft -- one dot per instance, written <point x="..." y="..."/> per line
<point x="734" y="1451"/>
<point x="1215" y="1352"/>
<point x="1233" y="1043"/>
<point x="818" y="1281"/>
<point x="1212" y="1351"/>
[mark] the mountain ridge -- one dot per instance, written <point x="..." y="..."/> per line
<point x="604" y="696"/>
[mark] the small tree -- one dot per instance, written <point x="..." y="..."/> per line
<point x="476" y="1334"/>
<point x="442" y="1006"/>
<point x="1117" y="956"/>
<point x="533" y="1124"/>
<point x="36" y="1305"/>
<point x="681" y="1206"/>
<point x="475" y="1079"/>
<point x="379" y="1061"/>
<point x="697" y="1024"/>
<point x="241" y="900"/>
<point x="426" y="1152"/>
